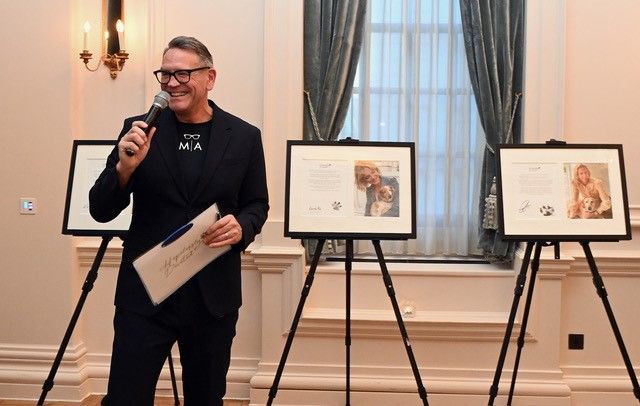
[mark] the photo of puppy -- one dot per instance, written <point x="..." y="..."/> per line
<point x="588" y="207"/>
<point x="384" y="201"/>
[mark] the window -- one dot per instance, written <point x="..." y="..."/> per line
<point x="412" y="84"/>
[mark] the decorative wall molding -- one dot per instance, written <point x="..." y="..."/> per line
<point x="634" y="214"/>
<point x="87" y="249"/>
<point x="282" y="266"/>
<point x="396" y="385"/>
<point x="367" y="378"/>
<point x="283" y="80"/>
<point x="24" y="362"/>
<point x="624" y="264"/>
<point x="450" y="326"/>
<point x="451" y="270"/>
<point x="454" y="329"/>
<point x="544" y="98"/>
<point x="337" y="397"/>
<point x="597" y="379"/>
<point x="156" y="41"/>
<point x="24" y="368"/>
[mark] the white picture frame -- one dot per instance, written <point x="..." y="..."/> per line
<point x="324" y="200"/>
<point x="562" y="192"/>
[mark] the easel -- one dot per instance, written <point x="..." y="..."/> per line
<point x="82" y="152"/>
<point x="521" y="280"/>
<point x="92" y="275"/>
<point x="305" y="292"/>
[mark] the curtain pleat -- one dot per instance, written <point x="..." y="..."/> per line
<point x="494" y="42"/>
<point x="333" y="33"/>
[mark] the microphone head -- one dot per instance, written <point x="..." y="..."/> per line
<point x="162" y="99"/>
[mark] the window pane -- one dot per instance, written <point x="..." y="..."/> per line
<point x="412" y="84"/>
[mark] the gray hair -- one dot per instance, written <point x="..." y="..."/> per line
<point x="191" y="44"/>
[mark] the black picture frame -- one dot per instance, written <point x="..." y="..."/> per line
<point x="541" y="197"/>
<point x="323" y="200"/>
<point x="88" y="158"/>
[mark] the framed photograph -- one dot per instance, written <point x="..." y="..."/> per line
<point x="350" y="190"/>
<point x="88" y="160"/>
<point x="562" y="192"/>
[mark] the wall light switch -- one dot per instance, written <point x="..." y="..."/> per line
<point x="28" y="205"/>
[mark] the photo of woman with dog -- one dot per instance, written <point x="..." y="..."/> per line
<point x="589" y="197"/>
<point x="382" y="192"/>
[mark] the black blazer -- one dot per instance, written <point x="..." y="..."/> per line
<point x="233" y="176"/>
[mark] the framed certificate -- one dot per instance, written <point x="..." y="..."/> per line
<point x="358" y="190"/>
<point x="88" y="159"/>
<point x="562" y="192"/>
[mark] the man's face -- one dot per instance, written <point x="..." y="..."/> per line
<point x="188" y="100"/>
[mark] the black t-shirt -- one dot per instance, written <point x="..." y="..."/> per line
<point x="192" y="144"/>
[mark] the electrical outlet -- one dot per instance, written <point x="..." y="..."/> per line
<point x="408" y="308"/>
<point x="576" y="341"/>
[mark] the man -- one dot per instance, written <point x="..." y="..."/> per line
<point x="196" y="155"/>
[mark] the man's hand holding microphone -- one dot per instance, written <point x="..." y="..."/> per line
<point x="134" y="145"/>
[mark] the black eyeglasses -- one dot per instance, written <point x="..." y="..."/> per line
<point x="182" y="75"/>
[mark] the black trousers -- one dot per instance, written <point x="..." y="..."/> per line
<point x="142" y="343"/>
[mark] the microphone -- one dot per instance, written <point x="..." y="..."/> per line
<point x="160" y="102"/>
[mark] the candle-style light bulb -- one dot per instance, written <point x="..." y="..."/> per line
<point x="105" y="43"/>
<point x="120" y="29"/>
<point x="86" y="28"/>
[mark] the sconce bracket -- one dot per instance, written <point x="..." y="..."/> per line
<point x="115" y="62"/>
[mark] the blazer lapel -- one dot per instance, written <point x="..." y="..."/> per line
<point x="218" y="141"/>
<point x="165" y="140"/>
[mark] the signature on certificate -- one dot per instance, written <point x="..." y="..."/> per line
<point x="524" y="206"/>
<point x="173" y="263"/>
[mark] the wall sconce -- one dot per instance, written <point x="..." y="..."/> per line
<point x="113" y="54"/>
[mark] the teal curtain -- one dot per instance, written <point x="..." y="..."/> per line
<point x="333" y="32"/>
<point x="494" y="42"/>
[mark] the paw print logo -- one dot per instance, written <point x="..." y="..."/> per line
<point x="336" y="206"/>
<point x="546" y="210"/>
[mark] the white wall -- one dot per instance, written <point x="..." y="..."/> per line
<point x="602" y="81"/>
<point x="581" y="86"/>
<point x="601" y="103"/>
<point x="36" y="261"/>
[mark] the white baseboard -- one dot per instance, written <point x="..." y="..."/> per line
<point x="24" y="369"/>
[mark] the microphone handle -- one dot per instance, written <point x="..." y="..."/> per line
<point x="150" y="119"/>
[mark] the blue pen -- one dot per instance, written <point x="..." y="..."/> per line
<point x="177" y="234"/>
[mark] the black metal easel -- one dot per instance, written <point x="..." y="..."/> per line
<point x="92" y="275"/>
<point x="521" y="280"/>
<point x="305" y="292"/>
